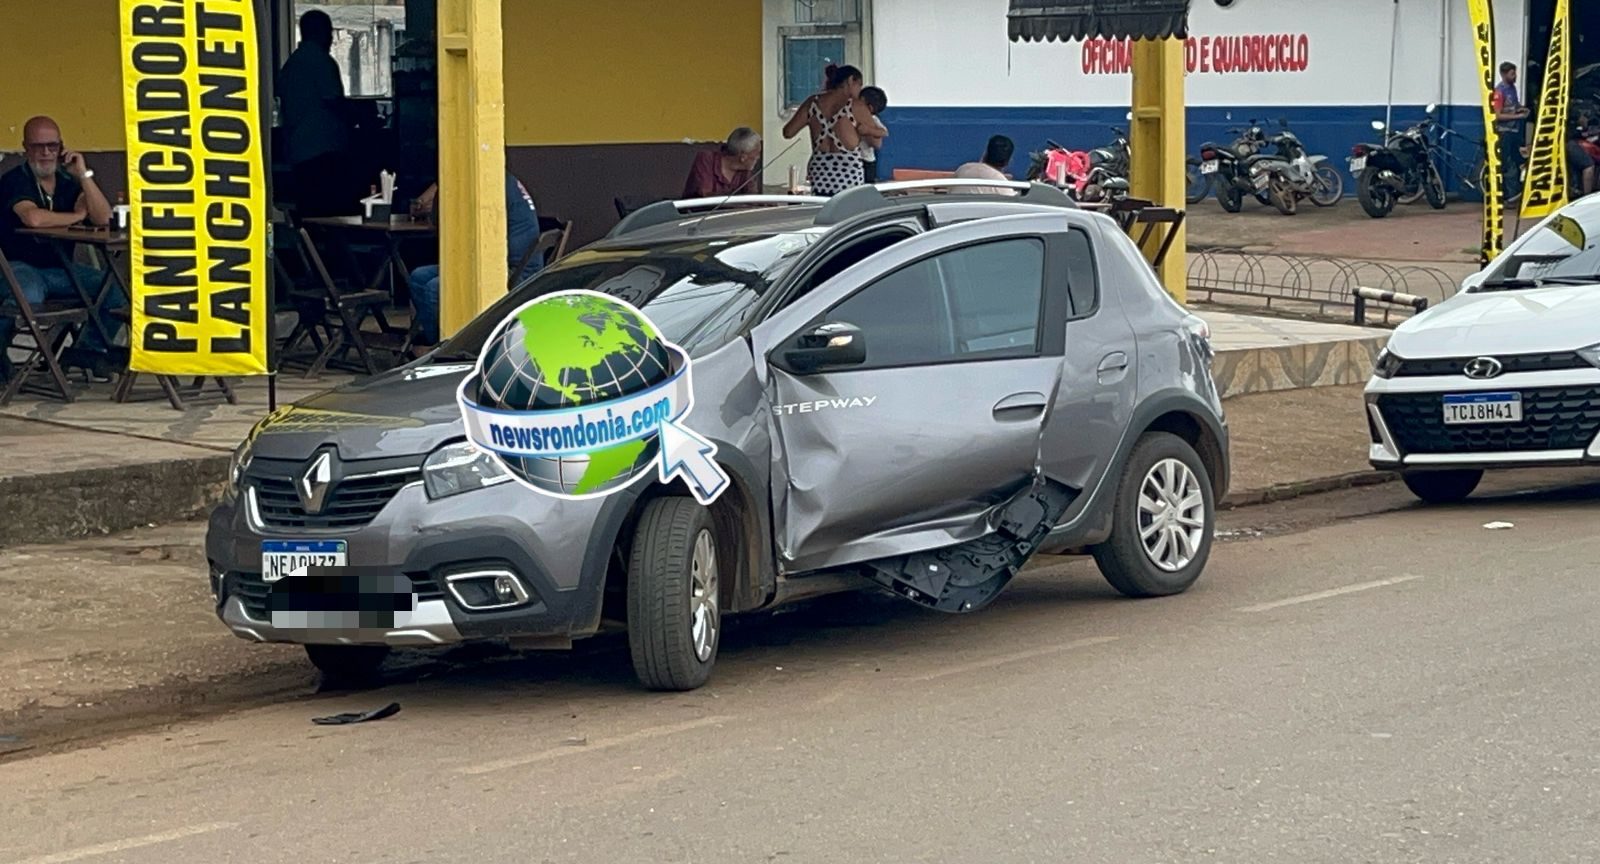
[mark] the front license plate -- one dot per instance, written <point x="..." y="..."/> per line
<point x="1483" y="408"/>
<point x="1262" y="180"/>
<point x="1359" y="163"/>
<point x="1208" y="167"/>
<point x="280" y="558"/>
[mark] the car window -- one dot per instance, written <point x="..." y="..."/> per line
<point x="1563" y="247"/>
<point x="995" y="291"/>
<point x="976" y="302"/>
<point x="1083" y="285"/>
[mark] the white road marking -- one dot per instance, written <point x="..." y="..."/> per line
<point x="602" y="744"/>
<point x="992" y="662"/>
<point x="1332" y="592"/>
<point x="128" y="844"/>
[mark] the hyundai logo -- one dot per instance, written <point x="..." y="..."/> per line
<point x="1483" y="367"/>
<point x="313" y="485"/>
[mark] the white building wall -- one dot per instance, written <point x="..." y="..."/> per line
<point x="955" y="53"/>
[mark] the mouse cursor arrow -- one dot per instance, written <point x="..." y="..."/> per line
<point x="687" y="455"/>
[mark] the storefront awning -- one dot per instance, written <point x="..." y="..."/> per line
<point x="1067" y="20"/>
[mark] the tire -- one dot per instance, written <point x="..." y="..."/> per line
<point x="1283" y="196"/>
<point x="1124" y="560"/>
<point x="1231" y="199"/>
<point x="348" y="666"/>
<point x="1376" y="200"/>
<point x="1330" y="188"/>
<point x="1198" y="185"/>
<point x="673" y="585"/>
<point x="1433" y="188"/>
<point x="1442" y="487"/>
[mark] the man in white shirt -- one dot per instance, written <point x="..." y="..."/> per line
<point x="996" y="157"/>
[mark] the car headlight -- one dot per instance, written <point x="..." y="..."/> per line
<point x="239" y="463"/>
<point x="1591" y="354"/>
<point x="460" y="467"/>
<point x="1386" y="365"/>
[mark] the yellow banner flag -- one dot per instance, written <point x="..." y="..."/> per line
<point x="1482" y="18"/>
<point x="191" y="79"/>
<point x="1545" y="190"/>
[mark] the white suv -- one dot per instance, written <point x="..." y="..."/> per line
<point x="1505" y="374"/>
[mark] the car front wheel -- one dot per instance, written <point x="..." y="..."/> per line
<point x="674" y="611"/>
<point x="1164" y="520"/>
<point x="1442" y="487"/>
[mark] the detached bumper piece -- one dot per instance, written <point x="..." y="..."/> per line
<point x="968" y="576"/>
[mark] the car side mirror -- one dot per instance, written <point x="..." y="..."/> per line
<point x="832" y="344"/>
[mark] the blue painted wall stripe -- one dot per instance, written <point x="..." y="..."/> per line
<point x="937" y="138"/>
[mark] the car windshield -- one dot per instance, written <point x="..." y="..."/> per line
<point x="697" y="291"/>
<point x="1562" y="250"/>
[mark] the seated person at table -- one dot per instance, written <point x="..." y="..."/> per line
<point x="522" y="231"/>
<point x="725" y="170"/>
<point x="53" y="188"/>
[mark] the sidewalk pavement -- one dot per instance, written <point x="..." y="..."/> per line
<point x="121" y="626"/>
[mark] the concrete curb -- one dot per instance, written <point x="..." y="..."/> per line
<point x="49" y="508"/>
<point x="1302" y="488"/>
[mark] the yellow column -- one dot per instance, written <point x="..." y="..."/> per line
<point x="1158" y="146"/>
<point x="472" y="161"/>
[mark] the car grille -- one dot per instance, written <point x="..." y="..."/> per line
<point x="253" y="592"/>
<point x="352" y="502"/>
<point x="1564" y="418"/>
<point x="1509" y="363"/>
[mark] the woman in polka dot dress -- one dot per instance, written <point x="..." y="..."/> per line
<point x="833" y="117"/>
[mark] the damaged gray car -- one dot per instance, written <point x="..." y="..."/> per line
<point x="915" y="387"/>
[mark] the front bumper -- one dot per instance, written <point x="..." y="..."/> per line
<point x="1560" y="424"/>
<point x="560" y="571"/>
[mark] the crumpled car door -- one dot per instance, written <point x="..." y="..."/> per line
<point x="919" y="467"/>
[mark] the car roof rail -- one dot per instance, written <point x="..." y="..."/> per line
<point x="864" y="199"/>
<point x="662" y="212"/>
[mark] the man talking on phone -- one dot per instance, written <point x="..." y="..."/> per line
<point x="53" y="188"/>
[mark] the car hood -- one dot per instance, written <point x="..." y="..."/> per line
<point x="1561" y="318"/>
<point x="404" y="412"/>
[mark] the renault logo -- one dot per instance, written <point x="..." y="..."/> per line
<point x="1483" y="367"/>
<point x="313" y="486"/>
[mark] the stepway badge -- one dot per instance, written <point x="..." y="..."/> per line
<point x="577" y="395"/>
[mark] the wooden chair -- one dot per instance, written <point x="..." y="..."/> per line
<point x="343" y="314"/>
<point x="542" y="248"/>
<point x="47" y="326"/>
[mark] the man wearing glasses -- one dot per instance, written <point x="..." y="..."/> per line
<point x="53" y="188"/>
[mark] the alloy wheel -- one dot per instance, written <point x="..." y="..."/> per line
<point x="703" y="608"/>
<point x="1172" y="515"/>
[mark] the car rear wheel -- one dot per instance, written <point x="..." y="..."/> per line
<point x="348" y="665"/>
<point x="674" y="611"/>
<point x="1442" y="487"/>
<point x="1164" y="520"/>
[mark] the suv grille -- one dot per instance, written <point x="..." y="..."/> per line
<point x="1562" y="418"/>
<point x="1509" y="363"/>
<point x="352" y="502"/>
<point x="253" y="592"/>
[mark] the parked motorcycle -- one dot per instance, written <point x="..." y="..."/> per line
<point x="1402" y="165"/>
<point x="1297" y="175"/>
<point x="1229" y="166"/>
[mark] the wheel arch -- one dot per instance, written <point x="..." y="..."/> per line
<point x="741" y="517"/>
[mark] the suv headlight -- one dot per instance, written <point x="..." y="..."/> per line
<point x="1386" y="365"/>
<point x="460" y="467"/>
<point x="1591" y="354"/>
<point x="239" y="463"/>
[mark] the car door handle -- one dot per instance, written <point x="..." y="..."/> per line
<point x="1020" y="405"/>
<point x="1113" y="361"/>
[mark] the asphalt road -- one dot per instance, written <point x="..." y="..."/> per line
<point x="1408" y="686"/>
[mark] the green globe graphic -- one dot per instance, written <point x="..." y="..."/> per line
<point x="569" y="351"/>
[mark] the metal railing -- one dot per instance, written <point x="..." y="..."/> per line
<point x="1321" y="286"/>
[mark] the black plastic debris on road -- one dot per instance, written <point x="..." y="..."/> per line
<point x="389" y="710"/>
